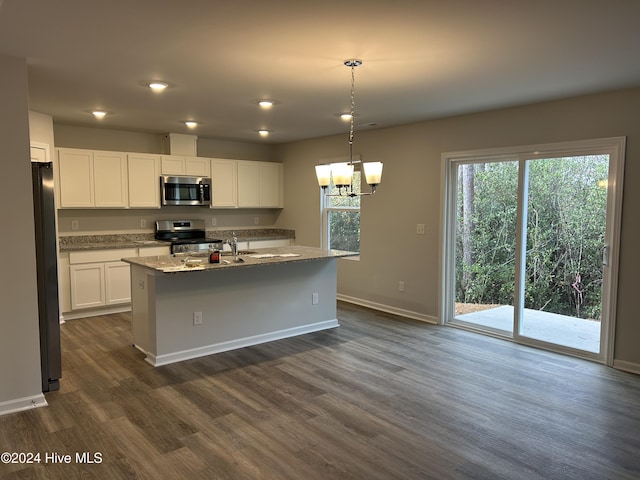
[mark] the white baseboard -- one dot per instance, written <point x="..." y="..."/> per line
<point x="93" y="313"/>
<point x="166" y="359"/>
<point x="21" y="404"/>
<point x="630" y="367"/>
<point x="388" y="309"/>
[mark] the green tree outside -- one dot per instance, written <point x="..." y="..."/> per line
<point x="565" y="234"/>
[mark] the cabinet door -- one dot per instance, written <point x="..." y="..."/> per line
<point x="75" y="171"/>
<point x="224" y="177"/>
<point x="38" y="154"/>
<point x="117" y="277"/>
<point x="197" y="166"/>
<point x="87" y="285"/>
<point x="270" y="184"/>
<point x="110" y="179"/>
<point x="144" y="181"/>
<point x="248" y="184"/>
<point x="173" y="165"/>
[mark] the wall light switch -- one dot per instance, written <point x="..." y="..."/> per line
<point x="197" y="318"/>
<point x="314" y="299"/>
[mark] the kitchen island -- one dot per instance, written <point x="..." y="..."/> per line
<point x="181" y="312"/>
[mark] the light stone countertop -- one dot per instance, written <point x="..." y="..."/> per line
<point x="76" y="243"/>
<point x="171" y="264"/>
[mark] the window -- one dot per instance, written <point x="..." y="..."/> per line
<point x="341" y="219"/>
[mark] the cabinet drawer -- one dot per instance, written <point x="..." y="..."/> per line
<point x="101" y="255"/>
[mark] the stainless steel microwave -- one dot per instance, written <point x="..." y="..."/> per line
<point x="185" y="190"/>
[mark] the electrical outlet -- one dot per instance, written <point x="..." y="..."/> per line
<point x="197" y="318"/>
<point x="401" y="286"/>
<point x="420" y="229"/>
<point x="143" y="223"/>
<point x="256" y="220"/>
<point x="314" y="299"/>
<point x="75" y="224"/>
<point x="214" y="221"/>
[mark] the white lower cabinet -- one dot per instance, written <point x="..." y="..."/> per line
<point x="117" y="283"/>
<point x="87" y="285"/>
<point x="98" y="278"/>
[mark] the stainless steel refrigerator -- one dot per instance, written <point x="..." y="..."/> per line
<point x="44" y="212"/>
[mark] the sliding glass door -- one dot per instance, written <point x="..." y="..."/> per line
<point x="566" y="212"/>
<point x="530" y="243"/>
<point x="485" y="243"/>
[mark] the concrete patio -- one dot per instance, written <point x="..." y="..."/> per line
<point x="544" y="326"/>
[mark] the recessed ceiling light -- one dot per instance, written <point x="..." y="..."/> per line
<point x="263" y="132"/>
<point x="99" y="114"/>
<point x="265" y="103"/>
<point x="158" y="86"/>
<point x="346" y="117"/>
<point x="191" y="124"/>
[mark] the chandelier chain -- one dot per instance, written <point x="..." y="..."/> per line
<point x="353" y="109"/>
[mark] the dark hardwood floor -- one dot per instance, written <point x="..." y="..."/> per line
<point x="378" y="398"/>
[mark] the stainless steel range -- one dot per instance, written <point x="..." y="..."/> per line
<point x="186" y="236"/>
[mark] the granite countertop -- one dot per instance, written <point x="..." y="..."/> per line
<point x="76" y="243"/>
<point x="171" y="264"/>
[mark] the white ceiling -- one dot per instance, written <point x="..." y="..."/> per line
<point x="422" y="59"/>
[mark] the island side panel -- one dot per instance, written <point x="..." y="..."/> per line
<point x="139" y="307"/>
<point x="143" y="308"/>
<point x="240" y="307"/>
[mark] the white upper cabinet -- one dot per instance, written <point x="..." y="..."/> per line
<point x="260" y="184"/>
<point x="173" y="165"/>
<point x="270" y="188"/>
<point x="110" y="179"/>
<point x="180" y="165"/>
<point x="75" y="173"/>
<point x="92" y="179"/>
<point x="39" y="152"/>
<point x="197" y="166"/>
<point x="224" y="178"/>
<point x="144" y="180"/>
<point x="248" y="184"/>
<point x="101" y="179"/>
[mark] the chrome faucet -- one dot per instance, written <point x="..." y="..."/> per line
<point x="234" y="246"/>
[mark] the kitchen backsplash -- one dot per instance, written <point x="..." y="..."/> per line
<point x="95" y="221"/>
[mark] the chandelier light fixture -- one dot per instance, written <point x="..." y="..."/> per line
<point x="342" y="173"/>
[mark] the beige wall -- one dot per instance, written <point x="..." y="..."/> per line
<point x="19" y="339"/>
<point x="410" y="194"/>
